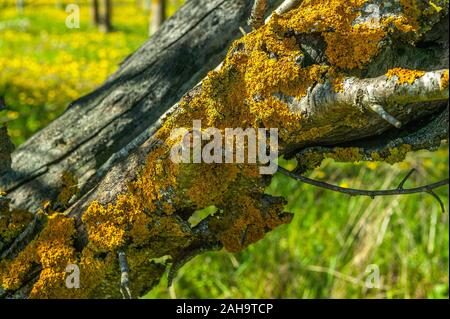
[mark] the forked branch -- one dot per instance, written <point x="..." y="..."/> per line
<point x="400" y="190"/>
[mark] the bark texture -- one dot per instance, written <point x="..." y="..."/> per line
<point x="332" y="75"/>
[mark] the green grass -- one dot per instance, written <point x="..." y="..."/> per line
<point x="333" y="239"/>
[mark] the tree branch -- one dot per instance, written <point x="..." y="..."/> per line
<point x="365" y="93"/>
<point x="400" y="190"/>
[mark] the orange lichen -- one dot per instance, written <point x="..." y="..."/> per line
<point x="404" y="75"/>
<point x="412" y="12"/>
<point x="248" y="222"/>
<point x="348" y="46"/>
<point x="52" y="251"/>
<point x="354" y="48"/>
<point x="337" y="80"/>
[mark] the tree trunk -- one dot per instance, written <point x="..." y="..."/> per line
<point x="157" y="16"/>
<point x="106" y="16"/>
<point x="20" y="5"/>
<point x="94" y="11"/>
<point x="147" y="4"/>
<point x="370" y="85"/>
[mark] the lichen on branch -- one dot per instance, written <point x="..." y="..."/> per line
<point x="324" y="44"/>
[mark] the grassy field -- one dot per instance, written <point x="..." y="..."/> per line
<point x="334" y="245"/>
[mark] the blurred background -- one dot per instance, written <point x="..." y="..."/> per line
<point x="336" y="246"/>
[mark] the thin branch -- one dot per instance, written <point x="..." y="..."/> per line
<point x="244" y="33"/>
<point x="405" y="179"/>
<point x="377" y="108"/>
<point x="432" y="193"/>
<point x="124" y="278"/>
<point x="244" y="235"/>
<point x="371" y="193"/>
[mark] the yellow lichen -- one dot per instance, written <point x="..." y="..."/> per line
<point x="52" y="250"/>
<point x="412" y="12"/>
<point x="354" y="48"/>
<point x="12" y="223"/>
<point x="110" y="226"/>
<point x="69" y="188"/>
<point x="401" y="23"/>
<point x="248" y="223"/>
<point x="392" y="155"/>
<point x="105" y="226"/>
<point x="337" y="80"/>
<point x="404" y="75"/>
<point x="398" y="154"/>
<point x="349" y="46"/>
<point x="444" y="80"/>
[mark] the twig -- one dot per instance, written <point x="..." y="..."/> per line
<point x="372" y="193"/>
<point x="124" y="279"/>
<point x="377" y="108"/>
<point x="432" y="193"/>
<point x="257" y="16"/>
<point x="405" y="179"/>
<point x="242" y="31"/>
